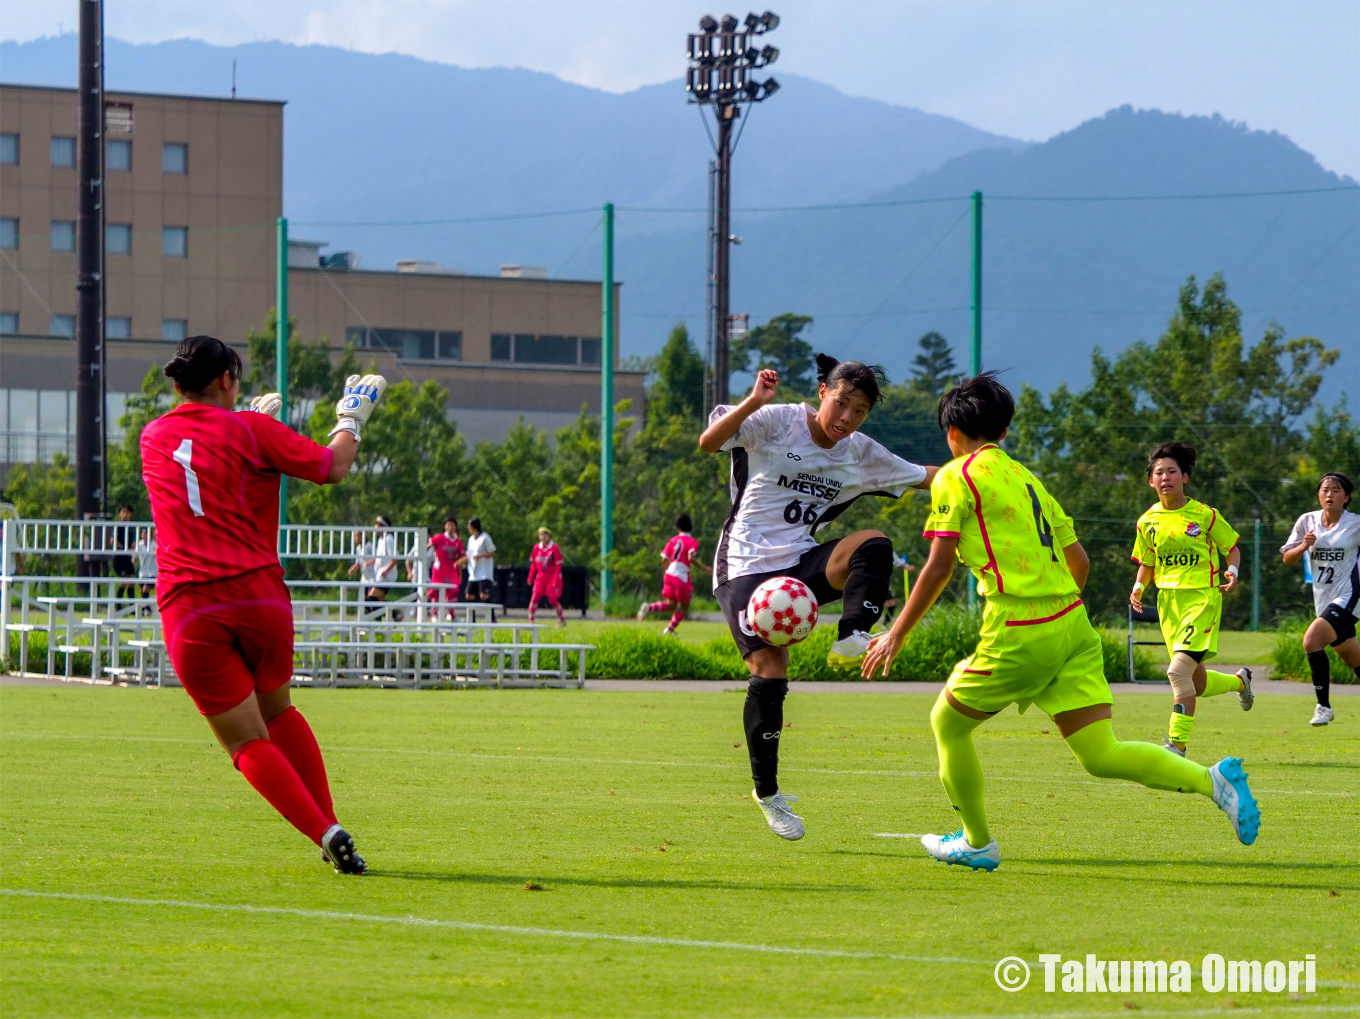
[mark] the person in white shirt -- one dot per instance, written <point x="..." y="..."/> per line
<point x="1330" y="538"/>
<point x="481" y="556"/>
<point x="794" y="470"/>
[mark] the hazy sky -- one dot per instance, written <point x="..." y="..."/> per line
<point x="1025" y="68"/>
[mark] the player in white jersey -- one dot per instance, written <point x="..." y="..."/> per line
<point x="795" y="469"/>
<point x="1330" y="538"/>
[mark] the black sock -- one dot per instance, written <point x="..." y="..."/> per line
<point x="763" y="715"/>
<point x="866" y="589"/>
<point x="1322" y="676"/>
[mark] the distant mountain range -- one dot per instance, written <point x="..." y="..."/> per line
<point x="391" y="138"/>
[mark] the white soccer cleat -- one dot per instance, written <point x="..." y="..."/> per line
<point x="642" y="613"/>
<point x="783" y="821"/>
<point x="1245" y="698"/>
<point x="1322" y="716"/>
<point x="1234" y="798"/>
<point x="849" y="651"/>
<point x="954" y="849"/>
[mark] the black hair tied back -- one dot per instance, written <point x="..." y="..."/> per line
<point x="867" y="378"/>
<point x="200" y="359"/>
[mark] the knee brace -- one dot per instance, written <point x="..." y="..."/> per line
<point x="1181" y="672"/>
<point x="866" y="589"/>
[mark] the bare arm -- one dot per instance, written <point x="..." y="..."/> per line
<point x="1294" y="553"/>
<point x="344" y="448"/>
<point x="1144" y="578"/>
<point x="930" y="476"/>
<point x="1234" y="559"/>
<point x="930" y="585"/>
<point x="726" y="426"/>
<point x="1078" y="563"/>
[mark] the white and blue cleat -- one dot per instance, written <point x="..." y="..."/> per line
<point x="1234" y="798"/>
<point x="954" y="848"/>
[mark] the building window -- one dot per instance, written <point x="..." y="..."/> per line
<point x="9" y="233"/>
<point x="409" y="344"/>
<point x="9" y="149"/>
<point x="63" y="235"/>
<point x="9" y="323"/>
<point x="174" y="329"/>
<point x="62" y="325"/>
<point x="118" y="155"/>
<point x="175" y="157"/>
<point x="118" y="238"/>
<point x="118" y="328"/>
<point x="526" y="348"/>
<point x="63" y="151"/>
<point x="175" y="241"/>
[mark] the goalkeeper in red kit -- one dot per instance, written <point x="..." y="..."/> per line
<point x="213" y="478"/>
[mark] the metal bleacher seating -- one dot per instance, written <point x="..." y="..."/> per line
<point x="340" y="639"/>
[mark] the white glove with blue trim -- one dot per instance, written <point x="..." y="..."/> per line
<point x="267" y="403"/>
<point x="361" y="396"/>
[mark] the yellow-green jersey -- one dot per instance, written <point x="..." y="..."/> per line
<point x="1011" y="531"/>
<point x="1183" y="545"/>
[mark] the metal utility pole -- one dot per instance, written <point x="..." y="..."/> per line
<point x="709" y="296"/>
<point x="975" y="352"/>
<point x="281" y="348"/>
<point x="89" y="461"/>
<point x="607" y="410"/>
<point x="721" y="60"/>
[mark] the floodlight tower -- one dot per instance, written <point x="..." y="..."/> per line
<point x="722" y="55"/>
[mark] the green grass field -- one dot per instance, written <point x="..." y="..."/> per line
<point x="187" y="896"/>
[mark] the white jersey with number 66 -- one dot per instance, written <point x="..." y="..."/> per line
<point x="785" y="487"/>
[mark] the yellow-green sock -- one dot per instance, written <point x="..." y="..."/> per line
<point x="960" y="769"/>
<point x="1145" y="763"/>
<point x="1216" y="683"/>
<point x="1180" y="726"/>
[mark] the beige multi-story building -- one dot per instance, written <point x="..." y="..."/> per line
<point x="194" y="190"/>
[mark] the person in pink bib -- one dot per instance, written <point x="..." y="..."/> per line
<point x="449" y="556"/>
<point x="545" y="575"/>
<point x="681" y="553"/>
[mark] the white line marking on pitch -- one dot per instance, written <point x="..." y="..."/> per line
<point x="460" y="925"/>
<point x="1030" y="780"/>
<point x="896" y="835"/>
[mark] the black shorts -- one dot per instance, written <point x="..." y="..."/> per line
<point x="734" y="595"/>
<point x="1341" y="621"/>
<point x="477" y="588"/>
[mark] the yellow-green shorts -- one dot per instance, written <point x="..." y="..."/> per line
<point x="1190" y="618"/>
<point x="1040" y="651"/>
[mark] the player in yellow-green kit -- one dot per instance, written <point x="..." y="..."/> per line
<point x="1037" y="644"/>
<point x="1178" y="547"/>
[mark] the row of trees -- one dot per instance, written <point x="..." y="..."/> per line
<point x="1252" y="411"/>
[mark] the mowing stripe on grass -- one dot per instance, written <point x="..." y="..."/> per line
<point x="461" y="925"/>
<point x="741" y="766"/>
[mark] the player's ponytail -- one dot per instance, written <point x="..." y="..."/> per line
<point x="200" y="359"/>
<point x="867" y="378"/>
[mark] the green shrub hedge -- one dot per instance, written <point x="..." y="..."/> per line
<point x="1289" y="661"/>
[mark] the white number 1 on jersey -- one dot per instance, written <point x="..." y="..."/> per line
<point x="183" y="456"/>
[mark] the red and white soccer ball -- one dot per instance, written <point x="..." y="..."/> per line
<point x="782" y="611"/>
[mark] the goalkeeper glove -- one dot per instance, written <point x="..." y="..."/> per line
<point x="361" y="395"/>
<point x="268" y="403"/>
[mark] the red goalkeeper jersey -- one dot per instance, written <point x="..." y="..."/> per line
<point x="213" y="479"/>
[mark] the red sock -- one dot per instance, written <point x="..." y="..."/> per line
<point x="290" y="732"/>
<point x="677" y="619"/>
<point x="265" y="767"/>
<point x="656" y="606"/>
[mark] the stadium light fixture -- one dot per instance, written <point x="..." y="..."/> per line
<point x="722" y="56"/>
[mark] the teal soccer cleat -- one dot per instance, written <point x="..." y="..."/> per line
<point x="955" y="849"/>
<point x="1234" y="798"/>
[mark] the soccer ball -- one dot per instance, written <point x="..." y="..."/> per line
<point x="782" y="611"/>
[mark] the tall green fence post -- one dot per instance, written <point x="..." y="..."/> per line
<point x="281" y="348"/>
<point x="607" y="410"/>
<point x="975" y="346"/>
<point x="1256" y="577"/>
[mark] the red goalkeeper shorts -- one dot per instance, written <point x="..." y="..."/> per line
<point x="229" y="638"/>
